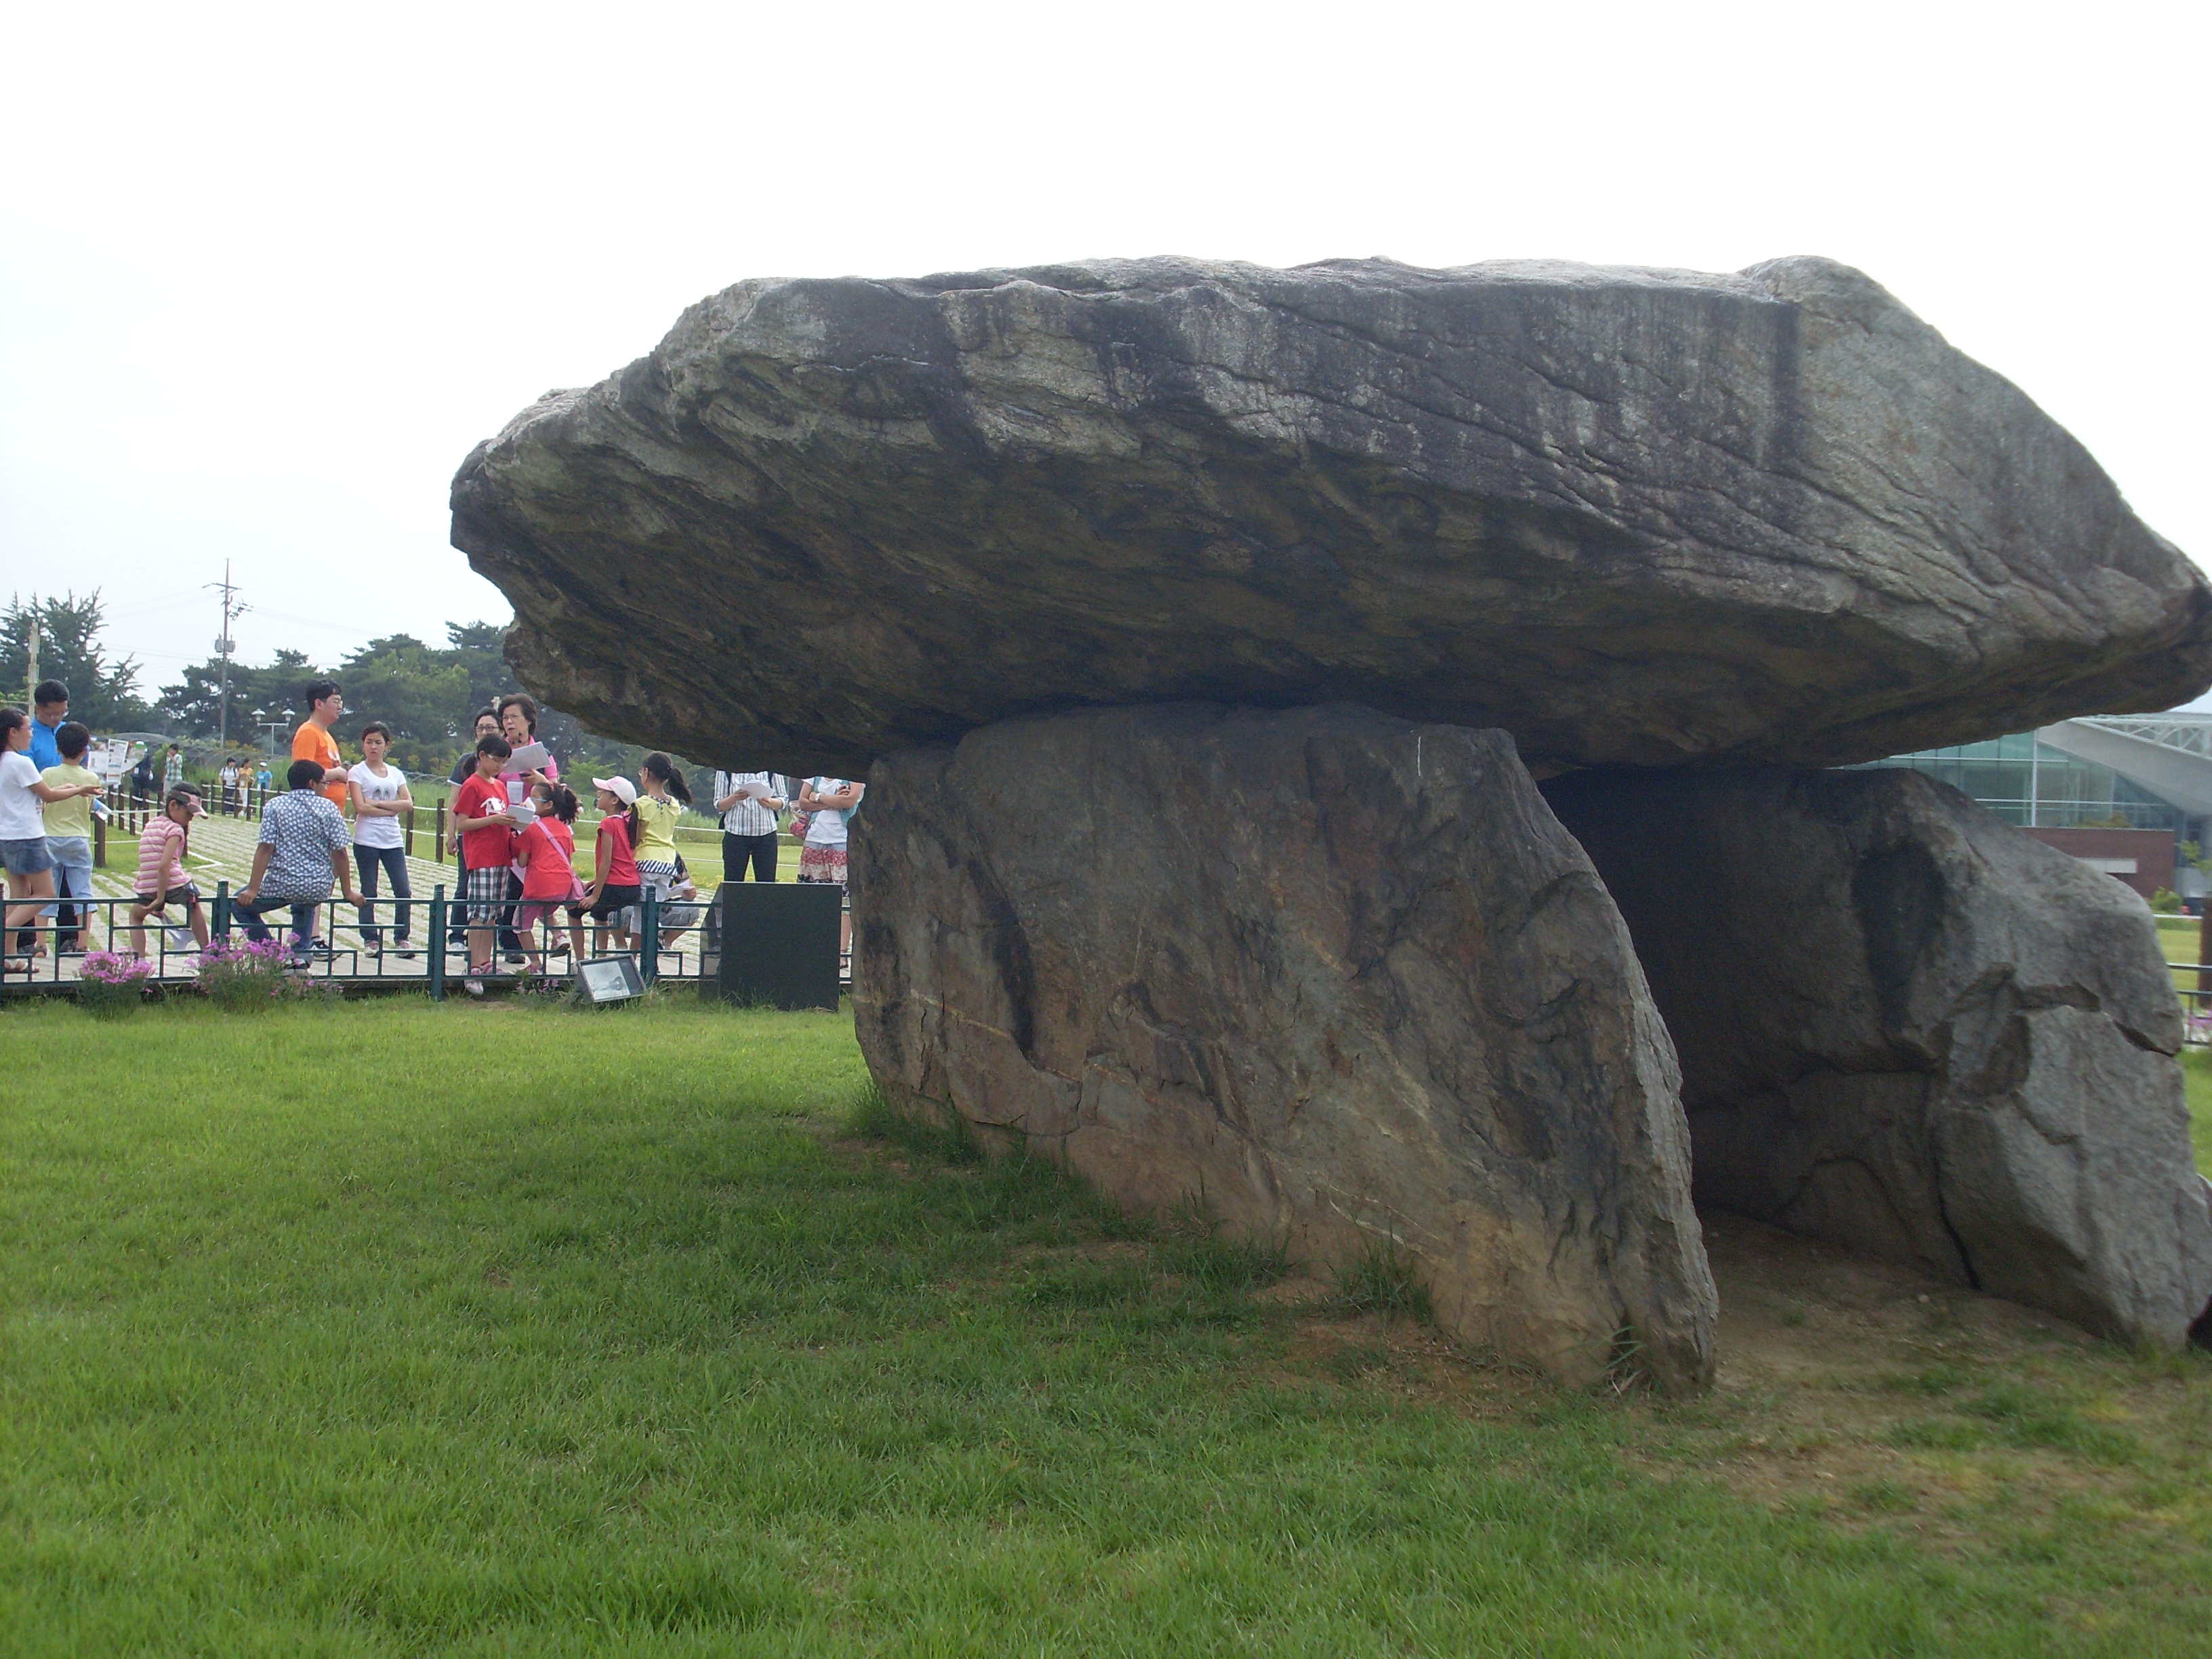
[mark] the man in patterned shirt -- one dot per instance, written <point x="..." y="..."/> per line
<point x="304" y="840"/>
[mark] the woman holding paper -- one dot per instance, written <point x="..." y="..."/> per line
<point x="532" y="763"/>
<point x="748" y="802"/>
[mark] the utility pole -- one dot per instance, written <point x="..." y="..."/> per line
<point x="231" y="609"/>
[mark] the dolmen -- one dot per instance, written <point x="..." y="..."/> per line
<point x="1354" y="748"/>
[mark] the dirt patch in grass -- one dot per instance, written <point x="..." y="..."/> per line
<point x="1867" y="1392"/>
<point x="1878" y="1394"/>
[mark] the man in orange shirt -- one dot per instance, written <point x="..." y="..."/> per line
<point x="313" y="742"/>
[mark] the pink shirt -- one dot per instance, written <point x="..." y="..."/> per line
<point x="161" y="855"/>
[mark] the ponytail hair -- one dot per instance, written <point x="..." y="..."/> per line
<point x="668" y="773"/>
<point x="563" y="801"/>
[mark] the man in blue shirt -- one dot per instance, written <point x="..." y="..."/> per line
<point x="304" y="840"/>
<point x="50" y="708"/>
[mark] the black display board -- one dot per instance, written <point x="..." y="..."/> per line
<point x="779" y="942"/>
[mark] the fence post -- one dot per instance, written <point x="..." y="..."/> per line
<point x="438" y="944"/>
<point x="648" y="947"/>
<point x="221" y="928"/>
<point x="98" y="844"/>
<point x="407" y="836"/>
<point x="441" y="832"/>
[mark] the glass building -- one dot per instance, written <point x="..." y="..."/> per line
<point x="2029" y="782"/>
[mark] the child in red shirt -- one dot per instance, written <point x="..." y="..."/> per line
<point x="487" y="832"/>
<point x="547" y="850"/>
<point x="615" y="886"/>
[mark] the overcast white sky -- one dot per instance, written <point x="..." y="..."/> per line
<point x="268" y="273"/>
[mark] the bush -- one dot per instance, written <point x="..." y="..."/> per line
<point x="111" y="985"/>
<point x="2165" y="902"/>
<point x="239" y="975"/>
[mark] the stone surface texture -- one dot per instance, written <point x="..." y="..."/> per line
<point x="1906" y="1027"/>
<point x="1630" y="516"/>
<point x="1335" y="978"/>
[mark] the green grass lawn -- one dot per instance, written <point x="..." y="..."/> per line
<point x="395" y="1328"/>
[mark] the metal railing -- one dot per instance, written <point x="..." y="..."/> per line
<point x="678" y="939"/>
<point x="671" y="941"/>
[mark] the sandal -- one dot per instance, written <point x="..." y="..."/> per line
<point x="23" y="965"/>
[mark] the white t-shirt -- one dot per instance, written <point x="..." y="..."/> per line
<point x="22" y="814"/>
<point x="377" y="831"/>
<point x="827" y="827"/>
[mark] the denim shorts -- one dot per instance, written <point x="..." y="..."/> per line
<point x="28" y="857"/>
<point x="70" y="852"/>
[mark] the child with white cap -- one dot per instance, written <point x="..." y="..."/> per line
<point x="615" y="883"/>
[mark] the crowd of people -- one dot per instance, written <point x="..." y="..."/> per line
<point x="339" y="825"/>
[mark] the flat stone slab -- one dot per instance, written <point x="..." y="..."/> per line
<point x="1331" y="977"/>
<point x="1909" y="1029"/>
<point x="1629" y="516"/>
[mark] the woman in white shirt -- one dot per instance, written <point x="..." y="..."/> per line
<point x="379" y="798"/>
<point x="822" y="858"/>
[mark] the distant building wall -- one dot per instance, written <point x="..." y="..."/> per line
<point x="2143" y="858"/>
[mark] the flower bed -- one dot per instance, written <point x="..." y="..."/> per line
<point x="110" y="984"/>
<point x="240" y="975"/>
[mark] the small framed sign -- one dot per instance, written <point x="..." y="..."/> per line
<point x="604" y="980"/>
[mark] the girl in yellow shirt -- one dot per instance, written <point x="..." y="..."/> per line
<point x="662" y="796"/>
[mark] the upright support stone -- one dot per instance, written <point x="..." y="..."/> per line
<point x="1337" y="978"/>
<point x="1905" y="1027"/>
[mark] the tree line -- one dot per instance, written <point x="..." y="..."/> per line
<point x="427" y="694"/>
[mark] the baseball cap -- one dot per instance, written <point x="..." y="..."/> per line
<point x="621" y="788"/>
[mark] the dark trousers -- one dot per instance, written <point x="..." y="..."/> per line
<point x="738" y="850"/>
<point x="392" y="862"/>
<point x="71" y="884"/>
<point x="508" y="939"/>
<point x="303" y="918"/>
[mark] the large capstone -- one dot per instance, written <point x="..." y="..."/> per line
<point x="1907" y="1028"/>
<point x="1630" y="516"/>
<point x="1334" y="978"/>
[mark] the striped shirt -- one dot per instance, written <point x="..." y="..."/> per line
<point x="747" y="817"/>
<point x="161" y="847"/>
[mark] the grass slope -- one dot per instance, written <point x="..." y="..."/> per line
<point x="391" y="1328"/>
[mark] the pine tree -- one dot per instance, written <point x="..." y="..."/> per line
<point x="103" y="695"/>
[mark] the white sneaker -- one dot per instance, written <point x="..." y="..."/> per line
<point x="473" y="986"/>
<point x="180" y="940"/>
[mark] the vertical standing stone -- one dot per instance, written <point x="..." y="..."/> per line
<point x="1906" y="1027"/>
<point x="1338" y="977"/>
